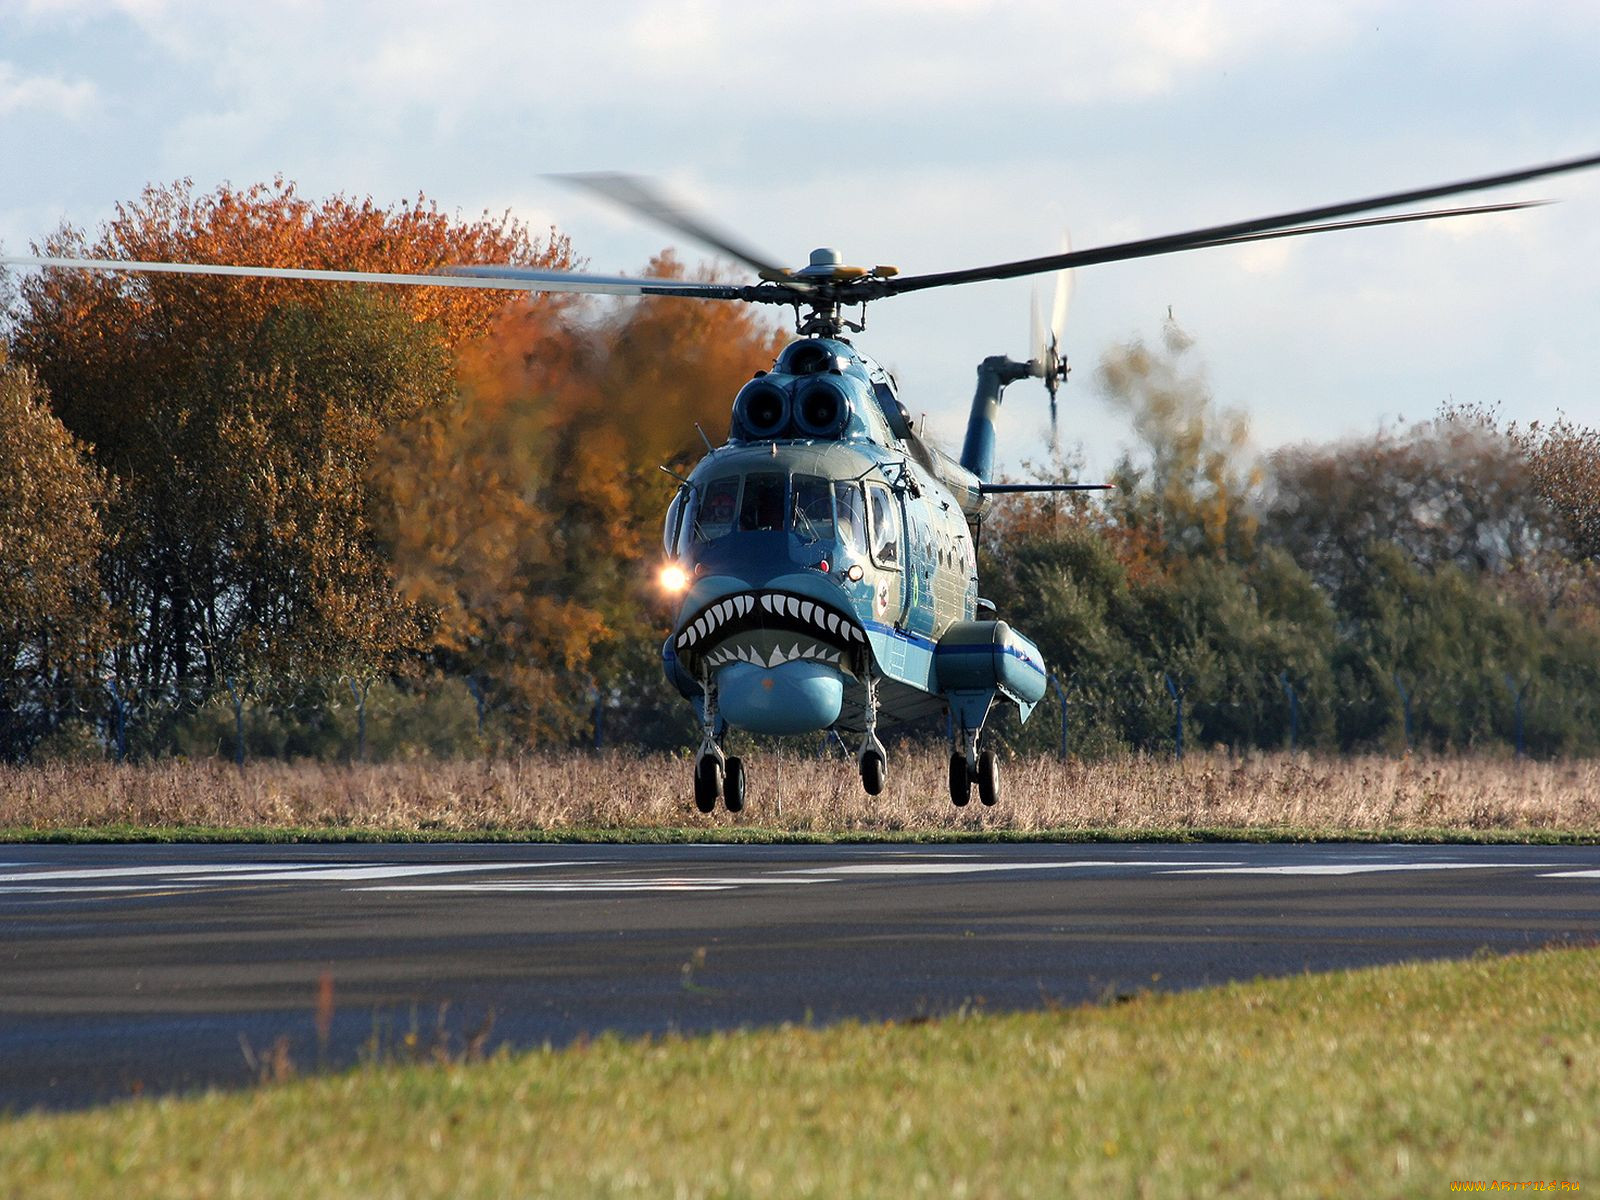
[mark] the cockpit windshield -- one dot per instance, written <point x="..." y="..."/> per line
<point x="719" y="503"/>
<point x="769" y="501"/>
<point x="813" y="509"/>
<point x="762" y="509"/>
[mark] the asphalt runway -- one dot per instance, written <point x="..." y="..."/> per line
<point x="146" y="968"/>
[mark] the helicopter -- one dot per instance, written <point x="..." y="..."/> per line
<point x="822" y="559"/>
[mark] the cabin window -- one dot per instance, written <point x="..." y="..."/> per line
<point x="762" y="509"/>
<point x="674" y="525"/>
<point x="813" y="509"/>
<point x="717" y="509"/>
<point x="852" y="507"/>
<point x="885" y="526"/>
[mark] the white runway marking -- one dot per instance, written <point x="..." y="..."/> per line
<point x="581" y="885"/>
<point x="132" y="872"/>
<point x="621" y="877"/>
<point x="675" y="883"/>
<point x="88" y="879"/>
<point x="1350" y="868"/>
<point x="353" y="874"/>
<point x="967" y="868"/>
<point x="96" y="888"/>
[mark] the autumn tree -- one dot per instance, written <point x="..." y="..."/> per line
<point x="527" y="515"/>
<point x="1191" y="485"/>
<point x="53" y="621"/>
<point x="1454" y="490"/>
<point x="238" y="415"/>
<point x="1563" y="468"/>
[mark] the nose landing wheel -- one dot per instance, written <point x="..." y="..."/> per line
<point x="960" y="780"/>
<point x="733" y="785"/>
<point x="874" y="770"/>
<point x="708" y="782"/>
<point x="988" y="779"/>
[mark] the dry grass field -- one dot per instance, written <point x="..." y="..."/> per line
<point x="628" y="794"/>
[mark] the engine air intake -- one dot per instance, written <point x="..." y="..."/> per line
<point x="821" y="407"/>
<point x="761" y="409"/>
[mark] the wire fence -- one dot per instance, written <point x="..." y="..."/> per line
<point x="1162" y="712"/>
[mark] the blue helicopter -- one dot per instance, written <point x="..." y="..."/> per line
<point x="825" y="562"/>
<point x="823" y="557"/>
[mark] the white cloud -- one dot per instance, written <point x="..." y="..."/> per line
<point x="927" y="134"/>
<point x="39" y="93"/>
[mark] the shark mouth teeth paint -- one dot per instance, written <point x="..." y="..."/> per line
<point x="768" y="629"/>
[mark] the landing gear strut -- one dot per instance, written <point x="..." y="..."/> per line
<point x="713" y="769"/>
<point x="872" y="758"/>
<point x="968" y="767"/>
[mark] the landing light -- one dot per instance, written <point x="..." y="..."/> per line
<point x="673" y="578"/>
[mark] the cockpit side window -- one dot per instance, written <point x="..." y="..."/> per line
<point x="852" y="508"/>
<point x="885" y="526"/>
<point x="813" y="509"/>
<point x="719" y="505"/>
<point x="762" y="508"/>
<point x="673" y="530"/>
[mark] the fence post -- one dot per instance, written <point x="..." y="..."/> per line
<point x="360" y="693"/>
<point x="238" y="721"/>
<point x="1405" y="700"/>
<point x="478" y="697"/>
<point x="1177" y="697"/>
<point x="119" y="713"/>
<point x="1062" y="696"/>
<point x="1517" y="694"/>
<point x="1294" y="709"/>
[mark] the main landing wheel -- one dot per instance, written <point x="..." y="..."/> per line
<point x="733" y="785"/>
<point x="988" y="779"/>
<point x="874" y="770"/>
<point x="707" y="782"/>
<point x="960" y="781"/>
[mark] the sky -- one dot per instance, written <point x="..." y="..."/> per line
<point x="930" y="134"/>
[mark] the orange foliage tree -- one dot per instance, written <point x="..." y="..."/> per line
<point x="238" y="416"/>
<point x="527" y="515"/>
<point x="53" y="621"/>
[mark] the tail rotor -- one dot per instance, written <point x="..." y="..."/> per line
<point x="1048" y="362"/>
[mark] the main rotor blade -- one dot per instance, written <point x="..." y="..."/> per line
<point x="1365" y="222"/>
<point x="1222" y="234"/>
<point x="508" y="278"/>
<point x="637" y="195"/>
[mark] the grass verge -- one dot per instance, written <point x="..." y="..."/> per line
<point x="629" y="797"/>
<point x="1393" y="1081"/>
<point x="759" y="835"/>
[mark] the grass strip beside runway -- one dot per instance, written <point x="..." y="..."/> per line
<point x="1390" y="1081"/>
<point x="766" y="835"/>
<point x="617" y="796"/>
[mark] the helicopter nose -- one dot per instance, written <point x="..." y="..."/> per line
<point x="793" y="697"/>
<point x="781" y="653"/>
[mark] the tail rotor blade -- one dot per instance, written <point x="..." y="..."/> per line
<point x="1039" y="343"/>
<point x="1063" y="294"/>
